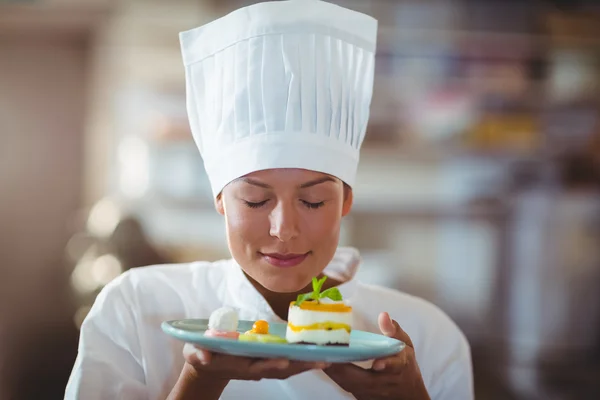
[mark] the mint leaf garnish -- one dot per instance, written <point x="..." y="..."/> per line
<point x="303" y="297"/>
<point x="315" y="294"/>
<point x="332" y="293"/>
<point x="317" y="285"/>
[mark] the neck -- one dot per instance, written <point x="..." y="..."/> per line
<point x="280" y="302"/>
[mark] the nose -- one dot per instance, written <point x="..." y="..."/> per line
<point x="284" y="222"/>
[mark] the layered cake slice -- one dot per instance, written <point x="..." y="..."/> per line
<point x="321" y="318"/>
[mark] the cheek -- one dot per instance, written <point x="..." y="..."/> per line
<point x="323" y="227"/>
<point x="244" y="225"/>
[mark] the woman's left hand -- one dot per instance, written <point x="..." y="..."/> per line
<point x="395" y="377"/>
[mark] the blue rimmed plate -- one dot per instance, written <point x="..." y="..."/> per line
<point x="363" y="345"/>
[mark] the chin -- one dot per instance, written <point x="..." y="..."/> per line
<point x="283" y="284"/>
<point x="281" y="280"/>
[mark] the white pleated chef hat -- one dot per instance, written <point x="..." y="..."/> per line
<point x="281" y="84"/>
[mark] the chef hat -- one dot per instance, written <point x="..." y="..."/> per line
<point x="283" y="84"/>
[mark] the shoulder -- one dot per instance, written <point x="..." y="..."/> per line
<point x="176" y="276"/>
<point x="131" y="302"/>
<point x="442" y="349"/>
<point x="167" y="286"/>
<point x="122" y="329"/>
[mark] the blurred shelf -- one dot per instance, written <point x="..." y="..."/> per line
<point x="513" y="45"/>
<point x="433" y="155"/>
<point x="398" y="78"/>
<point x="450" y="36"/>
<point x="374" y="207"/>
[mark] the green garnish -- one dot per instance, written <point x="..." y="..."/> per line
<point x="318" y="284"/>
<point x="331" y="293"/>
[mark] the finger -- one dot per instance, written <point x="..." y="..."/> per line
<point x="395" y="363"/>
<point x="391" y="328"/>
<point x="347" y="371"/>
<point x="226" y="362"/>
<point x="260" y="366"/>
<point x="295" y="368"/>
<point x="350" y="377"/>
<point x="196" y="356"/>
<point x="306" y="365"/>
<point x="202" y="359"/>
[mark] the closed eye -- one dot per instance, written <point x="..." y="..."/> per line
<point x="313" y="205"/>
<point x="255" y="205"/>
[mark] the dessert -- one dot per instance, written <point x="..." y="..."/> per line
<point x="320" y="318"/>
<point x="223" y="323"/>
<point x="260" y="333"/>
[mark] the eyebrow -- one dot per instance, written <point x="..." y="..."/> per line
<point x="303" y="186"/>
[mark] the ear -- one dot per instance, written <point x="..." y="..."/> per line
<point x="348" y="201"/>
<point x="219" y="204"/>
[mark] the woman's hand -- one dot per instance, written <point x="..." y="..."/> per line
<point x="223" y="366"/>
<point x="395" y="377"/>
<point x="205" y="375"/>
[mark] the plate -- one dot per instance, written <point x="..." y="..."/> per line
<point x="363" y="345"/>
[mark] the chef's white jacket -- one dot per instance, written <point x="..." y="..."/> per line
<point x="124" y="354"/>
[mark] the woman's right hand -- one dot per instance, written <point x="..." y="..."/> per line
<point x="205" y="374"/>
<point x="227" y="367"/>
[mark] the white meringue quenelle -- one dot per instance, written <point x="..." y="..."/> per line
<point x="223" y="319"/>
<point x="223" y="322"/>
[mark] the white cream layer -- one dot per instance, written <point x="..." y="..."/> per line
<point x="300" y="317"/>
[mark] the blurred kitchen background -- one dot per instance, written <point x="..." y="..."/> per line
<point x="479" y="187"/>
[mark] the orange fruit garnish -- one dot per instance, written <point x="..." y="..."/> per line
<point x="260" y="327"/>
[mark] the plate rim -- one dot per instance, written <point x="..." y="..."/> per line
<point x="393" y="345"/>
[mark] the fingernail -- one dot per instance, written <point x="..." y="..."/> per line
<point x="283" y="364"/>
<point x="378" y="367"/>
<point x="390" y="318"/>
<point x="201" y="358"/>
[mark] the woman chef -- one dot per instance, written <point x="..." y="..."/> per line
<point x="278" y="98"/>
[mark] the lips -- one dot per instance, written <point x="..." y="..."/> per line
<point x="284" y="260"/>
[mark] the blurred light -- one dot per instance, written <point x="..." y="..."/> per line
<point x="443" y="114"/>
<point x="81" y="278"/>
<point x="134" y="167"/>
<point x="92" y="273"/>
<point x="104" y="218"/>
<point x="572" y="75"/>
<point x="77" y="246"/>
<point x="105" y="269"/>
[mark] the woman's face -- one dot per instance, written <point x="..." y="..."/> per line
<point x="283" y="225"/>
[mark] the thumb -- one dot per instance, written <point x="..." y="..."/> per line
<point x="391" y="328"/>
